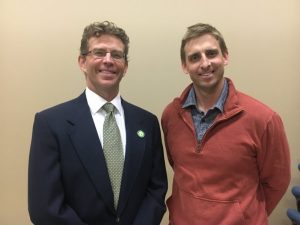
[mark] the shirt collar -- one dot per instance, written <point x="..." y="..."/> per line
<point x="191" y="98"/>
<point x="96" y="102"/>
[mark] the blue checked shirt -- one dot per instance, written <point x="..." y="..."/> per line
<point x="201" y="120"/>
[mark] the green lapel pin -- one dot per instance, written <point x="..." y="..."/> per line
<point x="140" y="133"/>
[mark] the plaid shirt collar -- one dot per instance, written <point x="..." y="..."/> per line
<point x="191" y="98"/>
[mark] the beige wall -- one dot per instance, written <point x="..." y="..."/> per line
<point x="39" y="42"/>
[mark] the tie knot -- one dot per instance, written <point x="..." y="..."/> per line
<point x="108" y="107"/>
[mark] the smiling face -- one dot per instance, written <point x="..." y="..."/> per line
<point x="103" y="75"/>
<point x="205" y="63"/>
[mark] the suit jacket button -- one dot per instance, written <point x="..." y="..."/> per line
<point x="118" y="220"/>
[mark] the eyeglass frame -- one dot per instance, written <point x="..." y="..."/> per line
<point x="113" y="54"/>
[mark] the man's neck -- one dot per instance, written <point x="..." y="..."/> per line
<point x="207" y="99"/>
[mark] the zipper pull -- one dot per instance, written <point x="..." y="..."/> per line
<point x="198" y="147"/>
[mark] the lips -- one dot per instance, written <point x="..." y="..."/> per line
<point x="108" y="72"/>
<point x="206" y="74"/>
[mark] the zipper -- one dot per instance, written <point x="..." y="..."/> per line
<point x="200" y="144"/>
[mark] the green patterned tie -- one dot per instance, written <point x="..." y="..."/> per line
<point x="113" y="150"/>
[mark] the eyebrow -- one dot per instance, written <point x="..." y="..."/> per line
<point x="205" y="51"/>
<point x="106" y="49"/>
<point x="194" y="53"/>
<point x="212" y="50"/>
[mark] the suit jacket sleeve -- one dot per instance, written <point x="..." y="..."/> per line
<point x="46" y="194"/>
<point x="153" y="206"/>
<point x="274" y="163"/>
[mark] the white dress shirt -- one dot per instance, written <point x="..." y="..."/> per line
<point x="95" y="103"/>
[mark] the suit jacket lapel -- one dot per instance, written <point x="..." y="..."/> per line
<point x="135" y="147"/>
<point x="87" y="144"/>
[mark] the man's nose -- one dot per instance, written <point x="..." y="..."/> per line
<point x="205" y="62"/>
<point x="107" y="58"/>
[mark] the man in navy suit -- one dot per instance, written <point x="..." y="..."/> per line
<point x="69" y="183"/>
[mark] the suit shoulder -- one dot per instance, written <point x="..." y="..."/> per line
<point x="137" y="110"/>
<point x="63" y="108"/>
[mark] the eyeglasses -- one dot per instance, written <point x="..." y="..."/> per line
<point x="99" y="53"/>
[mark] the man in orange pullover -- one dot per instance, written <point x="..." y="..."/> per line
<point x="229" y="152"/>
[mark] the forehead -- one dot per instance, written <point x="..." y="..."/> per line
<point x="202" y="43"/>
<point x="106" y="41"/>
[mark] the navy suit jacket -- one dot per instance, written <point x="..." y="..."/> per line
<point x="68" y="180"/>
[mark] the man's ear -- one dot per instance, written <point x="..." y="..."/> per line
<point x="226" y="59"/>
<point x="125" y="70"/>
<point x="82" y="63"/>
<point x="183" y="66"/>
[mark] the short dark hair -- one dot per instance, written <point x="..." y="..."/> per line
<point x="198" y="30"/>
<point x="97" y="29"/>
